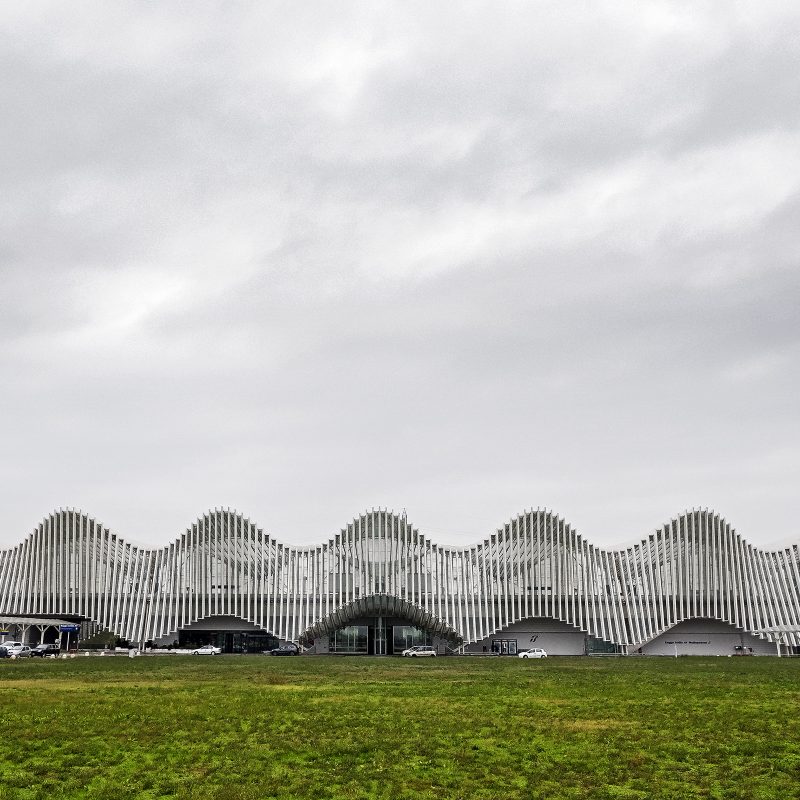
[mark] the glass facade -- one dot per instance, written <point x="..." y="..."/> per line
<point x="377" y="637"/>
<point x="504" y="647"/>
<point x="405" y="636"/>
<point x="595" y="645"/>
<point x="352" y="640"/>
<point x="229" y="641"/>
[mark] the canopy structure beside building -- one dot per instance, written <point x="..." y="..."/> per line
<point x="784" y="635"/>
<point x="18" y="628"/>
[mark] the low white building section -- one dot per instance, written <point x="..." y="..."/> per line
<point x="536" y="566"/>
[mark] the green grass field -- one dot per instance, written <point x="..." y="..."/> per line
<point x="256" y="727"/>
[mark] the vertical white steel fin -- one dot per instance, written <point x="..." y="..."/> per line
<point x="535" y="565"/>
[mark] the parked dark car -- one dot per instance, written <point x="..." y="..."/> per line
<point x="3" y="652"/>
<point x="43" y="650"/>
<point x="286" y="650"/>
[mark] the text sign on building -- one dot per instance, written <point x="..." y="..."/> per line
<point x="69" y="628"/>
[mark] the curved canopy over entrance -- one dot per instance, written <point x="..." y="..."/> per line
<point x="384" y="605"/>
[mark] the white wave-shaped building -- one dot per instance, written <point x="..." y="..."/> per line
<point x="693" y="586"/>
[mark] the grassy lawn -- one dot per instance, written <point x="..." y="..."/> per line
<point x="255" y="727"/>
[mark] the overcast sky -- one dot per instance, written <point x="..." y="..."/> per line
<point x="463" y="259"/>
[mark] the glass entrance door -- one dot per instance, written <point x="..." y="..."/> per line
<point x="380" y="637"/>
<point x="504" y="647"/>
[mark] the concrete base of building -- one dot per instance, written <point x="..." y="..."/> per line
<point x="706" y="637"/>
<point x="556" y="638"/>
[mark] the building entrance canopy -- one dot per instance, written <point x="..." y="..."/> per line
<point x="381" y="606"/>
<point x="19" y="627"/>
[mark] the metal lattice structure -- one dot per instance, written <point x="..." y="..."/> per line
<point x="536" y="565"/>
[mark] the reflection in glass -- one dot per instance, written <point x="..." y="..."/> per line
<point x="404" y="636"/>
<point x="353" y="639"/>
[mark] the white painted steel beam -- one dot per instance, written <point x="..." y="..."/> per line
<point x="534" y="566"/>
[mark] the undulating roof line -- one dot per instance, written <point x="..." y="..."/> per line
<point x="536" y="565"/>
<point x="621" y="546"/>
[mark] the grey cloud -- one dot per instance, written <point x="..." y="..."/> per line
<point x="307" y="262"/>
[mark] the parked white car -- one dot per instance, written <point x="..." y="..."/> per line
<point x="420" y="650"/>
<point x="534" y="652"/>
<point x="207" y="650"/>
<point x="17" y="649"/>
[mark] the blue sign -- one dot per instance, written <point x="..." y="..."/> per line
<point x="69" y="628"/>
